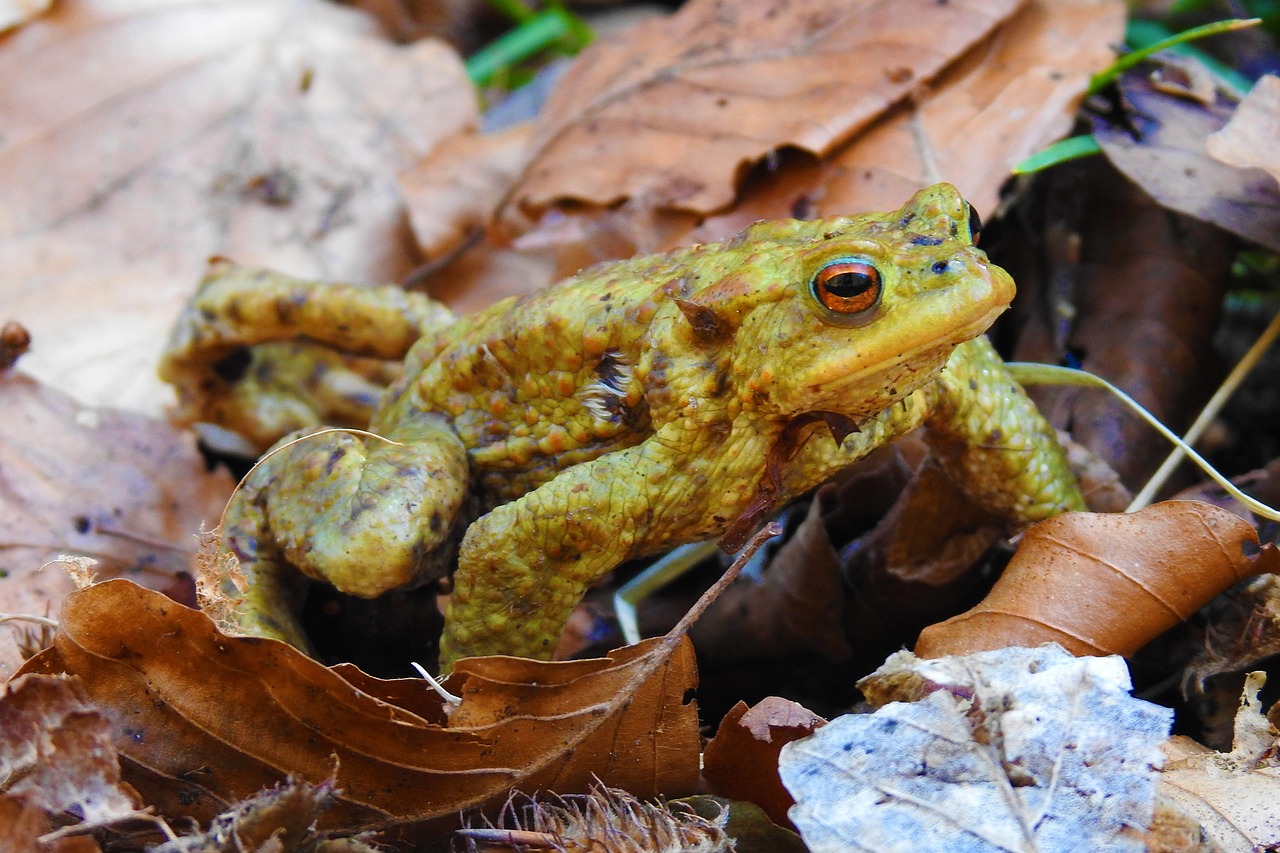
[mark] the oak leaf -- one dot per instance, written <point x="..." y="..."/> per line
<point x="204" y="720"/>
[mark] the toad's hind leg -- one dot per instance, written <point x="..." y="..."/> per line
<point x="366" y="515"/>
<point x="262" y="353"/>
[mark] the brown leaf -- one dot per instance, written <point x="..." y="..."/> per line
<point x="1008" y="97"/>
<point x="1248" y="139"/>
<point x="16" y="12"/>
<point x="672" y="109"/>
<point x="56" y="752"/>
<point x="1107" y="584"/>
<point x="205" y="720"/>
<point x="1233" y="795"/>
<point x="141" y="139"/>
<point x="1167" y="158"/>
<point x="124" y="489"/>
<point x="741" y="761"/>
<point x="796" y="608"/>
<point x="1143" y="289"/>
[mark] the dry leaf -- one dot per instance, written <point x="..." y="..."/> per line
<point x="1249" y="139"/>
<point x="1016" y="749"/>
<point x="56" y="753"/>
<point x="1167" y="159"/>
<point x="1133" y="292"/>
<point x="124" y="489"/>
<point x="141" y="139"/>
<point x="741" y="761"/>
<point x="795" y="608"/>
<point x="205" y="720"/>
<point x="1106" y="583"/>
<point x="15" y="12"/>
<point x="1233" y="794"/>
<point x="671" y="110"/>
<point x="1007" y="98"/>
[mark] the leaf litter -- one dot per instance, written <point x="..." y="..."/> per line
<point x="273" y="187"/>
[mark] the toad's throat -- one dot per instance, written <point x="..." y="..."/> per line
<point x="768" y="492"/>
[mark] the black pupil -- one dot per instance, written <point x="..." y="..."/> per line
<point x="975" y="224"/>
<point x="849" y="284"/>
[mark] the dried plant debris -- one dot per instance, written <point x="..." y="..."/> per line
<point x="278" y="820"/>
<point x="1014" y="749"/>
<point x="56" y="755"/>
<point x="606" y="820"/>
<point x="1232" y="794"/>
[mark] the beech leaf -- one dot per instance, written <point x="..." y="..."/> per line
<point x="1016" y="749"/>
<point x="142" y="138"/>
<point x="672" y="109"/>
<point x="1107" y="583"/>
<point x="205" y="720"/>
<point x="127" y="490"/>
<point x="1161" y="148"/>
<point x="741" y="761"/>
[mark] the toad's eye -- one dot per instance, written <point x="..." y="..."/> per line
<point x="847" y="287"/>
<point x="975" y="224"/>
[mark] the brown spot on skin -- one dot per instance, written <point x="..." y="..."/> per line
<point x="287" y="308"/>
<point x="335" y="456"/>
<point x="707" y="323"/>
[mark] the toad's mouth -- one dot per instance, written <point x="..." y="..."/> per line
<point x="863" y="387"/>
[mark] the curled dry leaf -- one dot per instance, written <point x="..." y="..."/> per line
<point x="1233" y="794"/>
<point x="1161" y="148"/>
<point x="1015" y="749"/>
<point x="671" y="110"/>
<point x="266" y="130"/>
<point x="1107" y="583"/>
<point x="1248" y="140"/>
<point x="204" y="720"/>
<point x="127" y="490"/>
<point x="741" y="761"/>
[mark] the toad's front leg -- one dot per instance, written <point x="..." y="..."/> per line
<point x="524" y="567"/>
<point x="364" y="514"/>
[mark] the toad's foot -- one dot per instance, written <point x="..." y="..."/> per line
<point x="262" y="354"/>
<point x="366" y="515"/>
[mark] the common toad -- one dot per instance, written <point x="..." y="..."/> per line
<point x="640" y="405"/>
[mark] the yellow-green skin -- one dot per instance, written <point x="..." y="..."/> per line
<point x="638" y="406"/>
